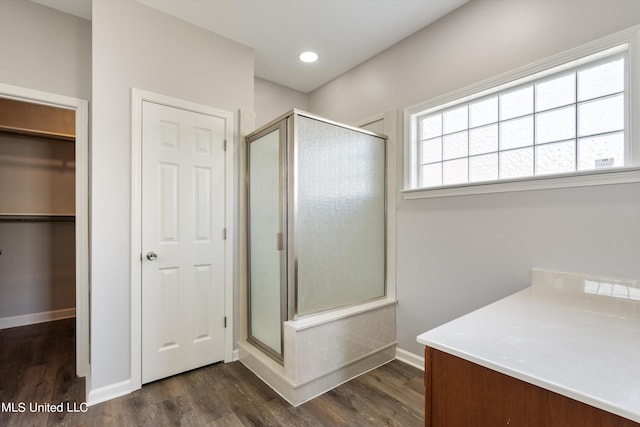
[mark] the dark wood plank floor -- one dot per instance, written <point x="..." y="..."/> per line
<point x="37" y="365"/>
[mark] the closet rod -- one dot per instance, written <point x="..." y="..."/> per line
<point x="37" y="218"/>
<point x="37" y="133"/>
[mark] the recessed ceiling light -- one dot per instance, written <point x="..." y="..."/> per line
<point x="308" y="56"/>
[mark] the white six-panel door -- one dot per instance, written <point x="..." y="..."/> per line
<point x="183" y="248"/>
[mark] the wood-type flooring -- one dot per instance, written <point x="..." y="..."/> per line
<point x="37" y="367"/>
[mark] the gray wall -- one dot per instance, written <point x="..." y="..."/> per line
<point x="135" y="46"/>
<point x="43" y="49"/>
<point x="271" y="100"/>
<point x="457" y="254"/>
<point x="37" y="265"/>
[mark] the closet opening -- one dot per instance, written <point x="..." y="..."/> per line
<point x="39" y="272"/>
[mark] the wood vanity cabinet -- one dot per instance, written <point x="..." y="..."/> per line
<point x="460" y="393"/>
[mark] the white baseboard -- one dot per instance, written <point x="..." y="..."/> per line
<point x="274" y="375"/>
<point x="410" y="358"/>
<point x="236" y="355"/>
<point x="109" y="392"/>
<point x="33" y="318"/>
<point x="123" y="388"/>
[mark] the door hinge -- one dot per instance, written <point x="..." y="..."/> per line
<point x="224" y="234"/>
<point x="224" y="146"/>
<point x="225" y="321"/>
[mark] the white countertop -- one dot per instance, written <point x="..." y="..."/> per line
<point x="576" y="335"/>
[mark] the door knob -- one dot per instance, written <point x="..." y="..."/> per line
<point x="151" y="256"/>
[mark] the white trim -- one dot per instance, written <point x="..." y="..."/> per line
<point x="297" y="393"/>
<point x="34" y="318"/>
<point x="136" y="239"/>
<point x="109" y="392"/>
<point x="630" y="36"/>
<point x="392" y="122"/>
<point x="369" y="120"/>
<point x="410" y="358"/>
<point x="231" y="134"/>
<point x="246" y="125"/>
<point x="618" y="176"/>
<point x="315" y="320"/>
<point x="81" y="108"/>
<point x="137" y="98"/>
<point x="82" y="240"/>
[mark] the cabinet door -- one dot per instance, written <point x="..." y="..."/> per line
<point x="461" y="393"/>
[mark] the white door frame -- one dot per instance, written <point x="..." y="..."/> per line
<point x="137" y="98"/>
<point x="81" y="108"/>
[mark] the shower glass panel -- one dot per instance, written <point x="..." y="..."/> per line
<point x="339" y="235"/>
<point x="316" y="217"/>
<point x="266" y="251"/>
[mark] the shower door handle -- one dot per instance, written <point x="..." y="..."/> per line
<point x="280" y="241"/>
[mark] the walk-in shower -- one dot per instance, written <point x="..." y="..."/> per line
<point x="318" y="311"/>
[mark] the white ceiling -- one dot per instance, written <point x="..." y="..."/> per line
<point x="344" y="33"/>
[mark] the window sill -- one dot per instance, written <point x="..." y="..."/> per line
<point x="586" y="179"/>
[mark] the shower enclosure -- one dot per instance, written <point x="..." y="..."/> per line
<point x="317" y="303"/>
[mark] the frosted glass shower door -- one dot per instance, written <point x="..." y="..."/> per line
<point x="266" y="241"/>
<point x="340" y="216"/>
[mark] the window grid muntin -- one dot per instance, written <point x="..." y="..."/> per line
<point x="486" y="95"/>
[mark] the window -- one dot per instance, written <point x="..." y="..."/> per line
<point x="569" y="119"/>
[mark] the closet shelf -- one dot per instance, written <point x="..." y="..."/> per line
<point x="36" y="218"/>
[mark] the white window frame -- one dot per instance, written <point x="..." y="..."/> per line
<point x="517" y="77"/>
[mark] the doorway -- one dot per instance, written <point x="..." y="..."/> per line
<point x="182" y="236"/>
<point x="69" y="221"/>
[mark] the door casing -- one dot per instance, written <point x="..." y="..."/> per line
<point x="81" y="108"/>
<point x="137" y="98"/>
